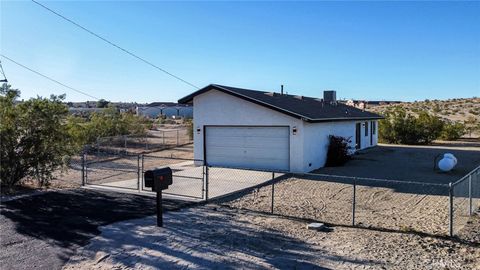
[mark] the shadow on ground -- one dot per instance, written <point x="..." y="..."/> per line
<point x="64" y="220"/>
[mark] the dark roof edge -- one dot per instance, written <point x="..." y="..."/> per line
<point x="209" y="87"/>
<point x="258" y="102"/>
<point x="344" y="119"/>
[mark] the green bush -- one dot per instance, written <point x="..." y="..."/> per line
<point x="452" y="131"/>
<point x="401" y="128"/>
<point x="34" y="139"/>
<point x="109" y="122"/>
<point x="189" y="124"/>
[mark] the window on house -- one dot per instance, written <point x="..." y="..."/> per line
<point x="374" y="127"/>
<point x="366" y="128"/>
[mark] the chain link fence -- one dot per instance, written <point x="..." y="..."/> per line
<point x="465" y="199"/>
<point x="154" y="140"/>
<point x="352" y="201"/>
<point x="436" y="209"/>
<point x="188" y="175"/>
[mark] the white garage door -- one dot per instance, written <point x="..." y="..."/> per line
<point x="248" y="147"/>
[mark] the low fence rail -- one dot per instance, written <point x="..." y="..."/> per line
<point x="436" y="209"/>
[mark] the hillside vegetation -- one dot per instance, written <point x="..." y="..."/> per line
<point x="464" y="111"/>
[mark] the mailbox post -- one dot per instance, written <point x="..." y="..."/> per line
<point x="158" y="179"/>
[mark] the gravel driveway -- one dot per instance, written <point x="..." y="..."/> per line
<point x="44" y="230"/>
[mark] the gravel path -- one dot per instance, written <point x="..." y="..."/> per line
<point x="213" y="237"/>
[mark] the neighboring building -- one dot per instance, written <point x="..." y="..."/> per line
<point x="244" y="128"/>
<point x="363" y="104"/>
<point x="169" y="109"/>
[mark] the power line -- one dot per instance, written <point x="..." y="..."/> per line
<point x="53" y="80"/>
<point x="115" y="45"/>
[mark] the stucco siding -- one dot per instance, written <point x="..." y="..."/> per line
<point x="217" y="108"/>
<point x="316" y="141"/>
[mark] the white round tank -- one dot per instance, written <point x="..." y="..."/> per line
<point x="449" y="155"/>
<point x="446" y="164"/>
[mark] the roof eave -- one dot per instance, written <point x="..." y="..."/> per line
<point x="319" y="120"/>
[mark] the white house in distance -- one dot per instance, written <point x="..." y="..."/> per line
<point x="244" y="128"/>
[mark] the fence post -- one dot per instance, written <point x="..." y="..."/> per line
<point x="203" y="181"/>
<point x="206" y="183"/>
<point x="83" y="169"/>
<point x="163" y="137"/>
<point x="354" y="202"/>
<point x="273" y="192"/>
<point x="86" y="169"/>
<point x="177" y="137"/>
<point x="143" y="170"/>
<point x="450" y="209"/>
<point x="125" y="145"/>
<point x="146" y="142"/>
<point x="138" y="172"/>
<point x="470" y="205"/>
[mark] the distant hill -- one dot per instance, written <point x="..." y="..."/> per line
<point x="464" y="110"/>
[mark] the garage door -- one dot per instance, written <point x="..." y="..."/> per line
<point x="248" y="147"/>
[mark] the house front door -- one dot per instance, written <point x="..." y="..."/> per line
<point x="358" y="135"/>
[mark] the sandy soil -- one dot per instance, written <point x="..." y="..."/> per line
<point x="420" y="209"/>
<point x="212" y="237"/>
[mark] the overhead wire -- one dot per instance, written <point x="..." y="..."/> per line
<point x="115" y="45"/>
<point x="49" y="78"/>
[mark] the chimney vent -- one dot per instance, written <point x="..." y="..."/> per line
<point x="281" y="89"/>
<point x="330" y="96"/>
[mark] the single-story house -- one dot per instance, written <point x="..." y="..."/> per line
<point x="244" y="128"/>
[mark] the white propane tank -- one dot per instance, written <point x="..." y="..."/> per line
<point x="447" y="163"/>
<point x="449" y="155"/>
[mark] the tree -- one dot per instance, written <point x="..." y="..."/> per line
<point x="34" y="139"/>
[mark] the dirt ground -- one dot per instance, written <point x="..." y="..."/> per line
<point x="212" y="237"/>
<point x="410" y="163"/>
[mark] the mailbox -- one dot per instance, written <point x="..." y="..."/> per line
<point x="158" y="179"/>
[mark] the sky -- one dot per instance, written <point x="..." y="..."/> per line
<point x="364" y="50"/>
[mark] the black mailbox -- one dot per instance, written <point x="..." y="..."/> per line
<point x="158" y="179"/>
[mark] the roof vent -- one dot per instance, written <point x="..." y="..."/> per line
<point x="298" y="97"/>
<point x="270" y="94"/>
<point x="330" y="96"/>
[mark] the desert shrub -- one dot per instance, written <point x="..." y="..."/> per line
<point x="399" y="127"/>
<point x="34" y="138"/>
<point x="452" y="131"/>
<point x="189" y="124"/>
<point x="339" y="151"/>
<point x="109" y="122"/>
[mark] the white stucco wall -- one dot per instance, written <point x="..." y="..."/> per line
<point x="308" y="148"/>
<point x="316" y="140"/>
<point x="217" y="108"/>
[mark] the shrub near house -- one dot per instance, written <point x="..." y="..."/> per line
<point x="400" y="127"/>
